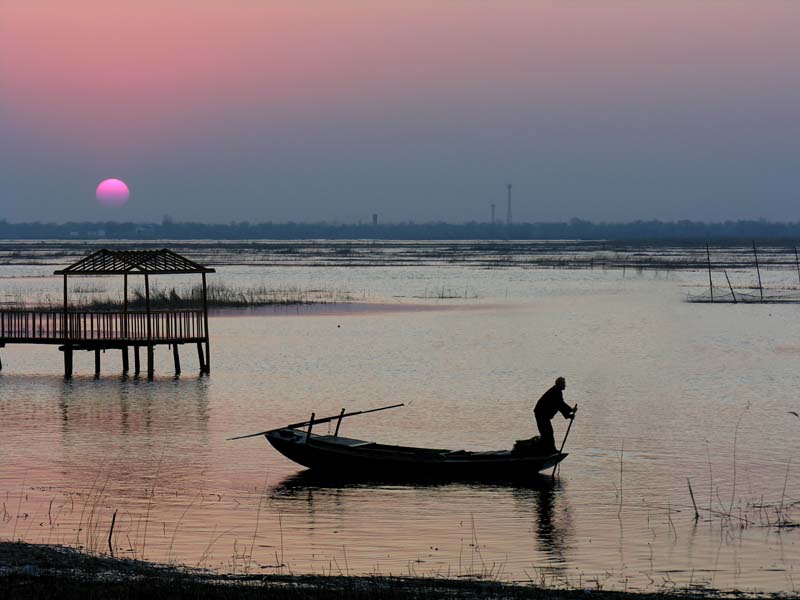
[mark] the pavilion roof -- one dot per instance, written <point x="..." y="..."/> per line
<point x="120" y="262"/>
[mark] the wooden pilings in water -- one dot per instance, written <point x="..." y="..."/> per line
<point x="201" y="357"/>
<point x="67" y="361"/>
<point x="70" y="349"/>
<point x="176" y="358"/>
<point x="150" y="365"/>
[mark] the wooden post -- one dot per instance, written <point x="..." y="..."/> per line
<point x="150" y="365"/>
<point x="137" y="364"/>
<point x="310" y="425"/>
<point x="147" y="306"/>
<point x="176" y="357"/>
<point x="65" y="327"/>
<point x="125" y="363"/>
<point x="338" y="424"/>
<point x="710" y="286"/>
<point x="205" y="325"/>
<point x="200" y="358"/>
<point x="96" y="363"/>
<point x="125" y="310"/>
<point x="66" y="336"/>
<point x="67" y="361"/>
<point x="760" y="289"/>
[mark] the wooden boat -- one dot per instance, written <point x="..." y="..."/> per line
<point x="350" y="457"/>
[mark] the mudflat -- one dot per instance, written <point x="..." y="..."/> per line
<point x="48" y="571"/>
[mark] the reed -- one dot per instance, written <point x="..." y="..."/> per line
<point x="219" y="295"/>
<point x="150" y="502"/>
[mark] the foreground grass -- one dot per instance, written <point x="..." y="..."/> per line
<point x="33" y="571"/>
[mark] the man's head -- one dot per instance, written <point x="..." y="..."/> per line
<point x="561" y="383"/>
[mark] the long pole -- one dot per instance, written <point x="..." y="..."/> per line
<point x="730" y="286"/>
<point x="710" y="286"/>
<point x="317" y="421"/>
<point x="760" y="289"/>
<point x="566" y="435"/>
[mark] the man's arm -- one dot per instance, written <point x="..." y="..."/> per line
<point x="565" y="409"/>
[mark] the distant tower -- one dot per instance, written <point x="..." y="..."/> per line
<point x="508" y="213"/>
<point x="493" y="213"/>
<point x="374" y="218"/>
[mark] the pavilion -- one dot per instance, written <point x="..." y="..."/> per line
<point x="74" y="329"/>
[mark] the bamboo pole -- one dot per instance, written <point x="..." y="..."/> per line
<point x="730" y="286"/>
<point x="797" y="262"/>
<point x="758" y="271"/>
<point x="710" y="286"/>
<point x="318" y="421"/>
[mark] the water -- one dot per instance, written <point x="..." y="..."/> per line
<point x="667" y="391"/>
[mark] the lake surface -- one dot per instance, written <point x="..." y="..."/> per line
<point x="669" y="392"/>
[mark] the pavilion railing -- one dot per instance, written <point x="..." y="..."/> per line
<point x="165" y="325"/>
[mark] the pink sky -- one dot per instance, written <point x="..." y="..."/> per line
<point x="162" y="86"/>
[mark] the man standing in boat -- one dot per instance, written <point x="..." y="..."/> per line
<point x="551" y="402"/>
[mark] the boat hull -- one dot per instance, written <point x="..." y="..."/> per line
<point x="355" y="458"/>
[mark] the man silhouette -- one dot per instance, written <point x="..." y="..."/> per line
<point x="551" y="402"/>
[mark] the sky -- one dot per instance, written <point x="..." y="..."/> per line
<point x="415" y="110"/>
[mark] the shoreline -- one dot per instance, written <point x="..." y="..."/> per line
<point x="51" y="571"/>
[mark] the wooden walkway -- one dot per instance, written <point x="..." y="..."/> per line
<point x="101" y="328"/>
<point x="106" y="330"/>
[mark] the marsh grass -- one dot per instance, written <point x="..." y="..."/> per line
<point x="94" y="511"/>
<point x="53" y="572"/>
<point x="220" y="295"/>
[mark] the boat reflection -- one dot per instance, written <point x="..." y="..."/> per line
<point x="553" y="518"/>
<point x="309" y="479"/>
<point x="538" y="502"/>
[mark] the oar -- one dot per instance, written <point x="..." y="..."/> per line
<point x="316" y="421"/>
<point x="571" y="419"/>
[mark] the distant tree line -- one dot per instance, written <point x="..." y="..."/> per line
<point x="575" y="229"/>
